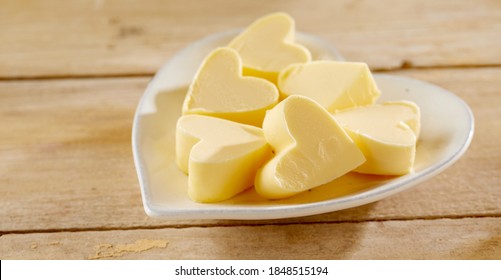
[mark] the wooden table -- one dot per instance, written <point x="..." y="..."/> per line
<point x="72" y="73"/>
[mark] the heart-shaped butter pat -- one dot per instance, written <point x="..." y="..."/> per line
<point x="335" y="85"/>
<point x="220" y="90"/>
<point x="268" y="45"/>
<point x="386" y="133"/>
<point x="310" y="148"/>
<point x="221" y="157"/>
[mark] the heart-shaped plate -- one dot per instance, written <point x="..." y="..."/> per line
<point x="446" y="131"/>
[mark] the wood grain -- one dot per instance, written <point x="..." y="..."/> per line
<point x="108" y="38"/>
<point x="478" y="238"/>
<point x="67" y="163"/>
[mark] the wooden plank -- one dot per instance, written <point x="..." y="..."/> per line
<point x="66" y="159"/>
<point x="478" y="238"/>
<point x="92" y="38"/>
<point x="65" y="145"/>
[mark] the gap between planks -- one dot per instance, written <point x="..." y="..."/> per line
<point x="239" y="224"/>
<point x="70" y="77"/>
<point x="404" y="65"/>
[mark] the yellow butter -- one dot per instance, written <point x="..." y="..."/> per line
<point x="310" y="148"/>
<point x="220" y="90"/>
<point x="221" y="157"/>
<point x="333" y="84"/>
<point x="268" y="45"/>
<point x="386" y="133"/>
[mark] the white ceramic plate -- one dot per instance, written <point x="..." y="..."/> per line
<point x="447" y="129"/>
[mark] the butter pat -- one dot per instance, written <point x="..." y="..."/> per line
<point x="310" y="148"/>
<point x="267" y="46"/>
<point x="334" y="85"/>
<point x="220" y="90"/>
<point x="221" y="157"/>
<point x="386" y="134"/>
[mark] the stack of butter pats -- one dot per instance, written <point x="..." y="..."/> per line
<point x="259" y="112"/>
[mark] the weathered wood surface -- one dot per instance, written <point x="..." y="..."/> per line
<point x="67" y="160"/>
<point x="94" y="38"/>
<point x="465" y="238"/>
<point x="72" y="73"/>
